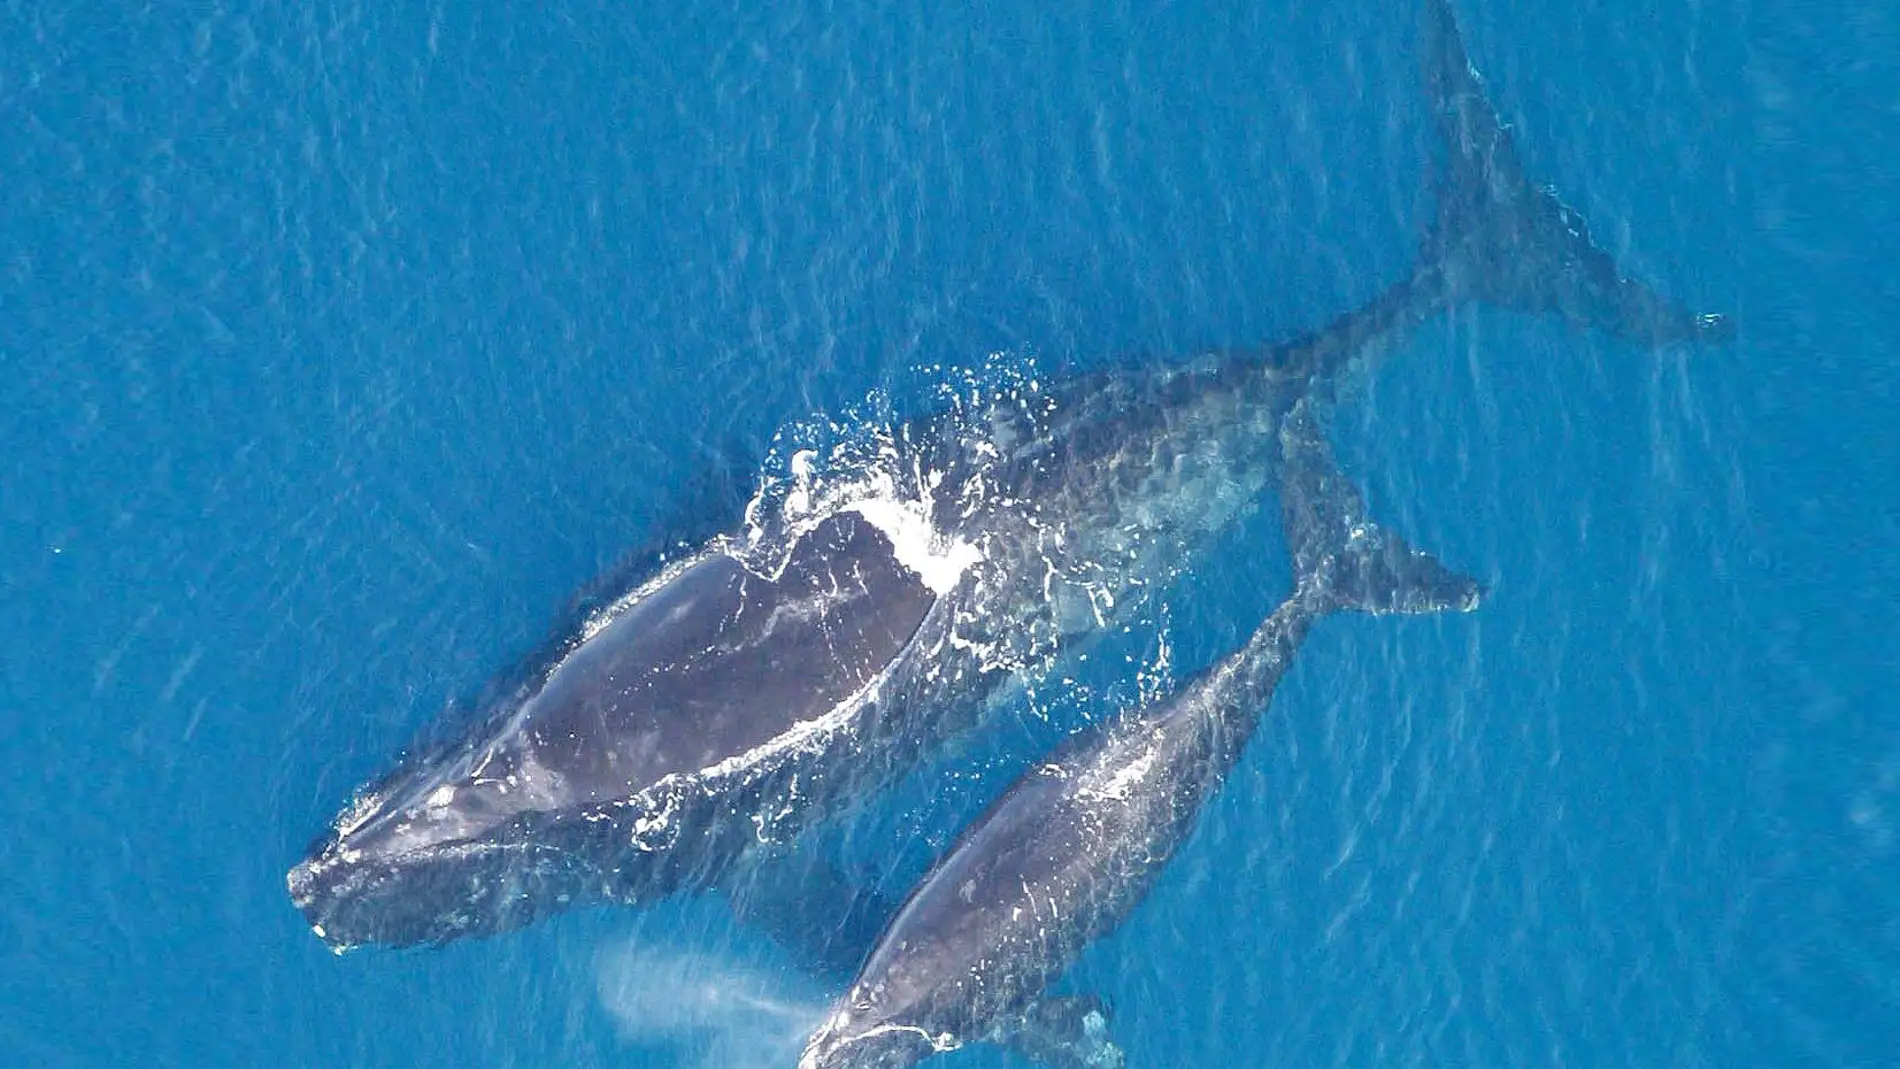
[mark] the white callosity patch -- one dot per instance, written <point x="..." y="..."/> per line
<point x="361" y="808"/>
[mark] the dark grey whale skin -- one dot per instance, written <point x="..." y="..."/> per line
<point x="1068" y="851"/>
<point x="531" y="812"/>
<point x="717" y="709"/>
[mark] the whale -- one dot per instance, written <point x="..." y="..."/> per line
<point x="873" y="605"/>
<point x="1069" y="850"/>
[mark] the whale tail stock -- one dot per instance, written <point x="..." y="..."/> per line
<point x="1342" y="560"/>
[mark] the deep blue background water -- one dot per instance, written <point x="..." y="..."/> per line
<point x="340" y="342"/>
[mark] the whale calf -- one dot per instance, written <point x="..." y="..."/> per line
<point x="782" y="671"/>
<point x="1073" y="845"/>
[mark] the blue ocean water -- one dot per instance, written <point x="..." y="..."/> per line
<point x="341" y="342"/>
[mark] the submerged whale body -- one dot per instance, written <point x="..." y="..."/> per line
<point x="771" y="679"/>
<point x="1068" y="850"/>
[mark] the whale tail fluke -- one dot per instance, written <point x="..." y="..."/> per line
<point x="1341" y="559"/>
<point x="1501" y="240"/>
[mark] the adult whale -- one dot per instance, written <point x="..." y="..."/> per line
<point x="1067" y="852"/>
<point x="766" y="680"/>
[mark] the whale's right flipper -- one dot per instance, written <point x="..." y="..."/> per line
<point x="1341" y="559"/>
<point x="1501" y="240"/>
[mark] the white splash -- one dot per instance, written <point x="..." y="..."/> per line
<point x="1123" y="782"/>
<point x="936" y="559"/>
<point x="872" y="472"/>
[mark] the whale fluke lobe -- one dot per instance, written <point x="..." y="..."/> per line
<point x="1500" y="239"/>
<point x="1341" y="558"/>
<point x="1495" y="238"/>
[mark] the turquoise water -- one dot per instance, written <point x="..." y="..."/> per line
<point x="342" y="342"/>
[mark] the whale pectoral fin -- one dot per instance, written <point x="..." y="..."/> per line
<point x="1063" y="1032"/>
<point x="813" y="909"/>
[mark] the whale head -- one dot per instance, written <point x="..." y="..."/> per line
<point x="427" y="856"/>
